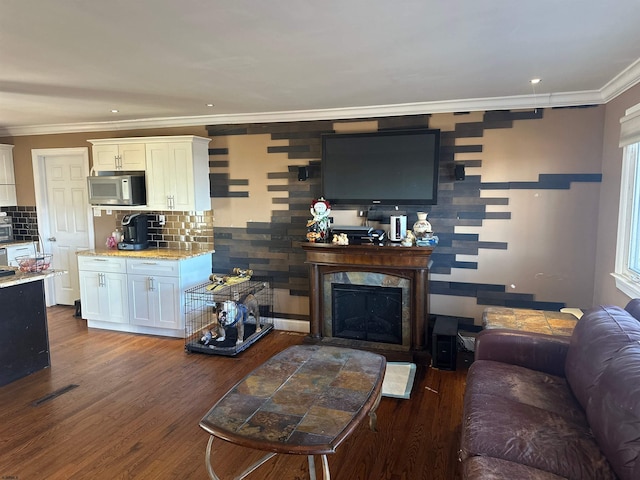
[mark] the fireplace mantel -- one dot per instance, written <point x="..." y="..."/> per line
<point x="411" y="263"/>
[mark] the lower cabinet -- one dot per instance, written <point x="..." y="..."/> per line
<point x="154" y="301"/>
<point x="104" y="296"/>
<point x="103" y="289"/>
<point x="147" y="297"/>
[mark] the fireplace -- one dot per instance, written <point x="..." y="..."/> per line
<point x="368" y="313"/>
<point x="366" y="309"/>
<point x="358" y="293"/>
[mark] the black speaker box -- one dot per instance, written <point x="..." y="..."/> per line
<point x="444" y="346"/>
<point x="459" y="172"/>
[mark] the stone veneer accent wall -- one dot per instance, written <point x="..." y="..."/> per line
<point x="272" y="248"/>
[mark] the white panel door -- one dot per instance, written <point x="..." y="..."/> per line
<point x="68" y="223"/>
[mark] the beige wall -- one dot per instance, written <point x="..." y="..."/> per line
<point x="605" y="291"/>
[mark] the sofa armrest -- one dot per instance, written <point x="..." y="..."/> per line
<point x="545" y="353"/>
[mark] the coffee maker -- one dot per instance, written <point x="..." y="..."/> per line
<point x="134" y="230"/>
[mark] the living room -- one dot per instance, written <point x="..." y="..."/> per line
<point x="533" y="224"/>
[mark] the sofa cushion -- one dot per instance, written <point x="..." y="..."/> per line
<point x="489" y="468"/>
<point x="510" y="430"/>
<point x="523" y="385"/>
<point x="614" y="412"/>
<point x="633" y="307"/>
<point x="597" y="337"/>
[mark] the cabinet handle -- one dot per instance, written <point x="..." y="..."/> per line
<point x="151" y="285"/>
<point x="101" y="281"/>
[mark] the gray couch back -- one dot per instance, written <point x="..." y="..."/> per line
<point x="603" y="371"/>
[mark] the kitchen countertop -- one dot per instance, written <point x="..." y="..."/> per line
<point x="15" y="242"/>
<point x="24" y="277"/>
<point x="156" y="253"/>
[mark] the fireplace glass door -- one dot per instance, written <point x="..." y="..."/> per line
<point x="367" y="313"/>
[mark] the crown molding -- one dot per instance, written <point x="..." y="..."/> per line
<point x="550" y="100"/>
<point x="622" y="82"/>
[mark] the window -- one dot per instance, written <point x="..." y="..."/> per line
<point x="627" y="271"/>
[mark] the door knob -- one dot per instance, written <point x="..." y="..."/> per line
<point x="51" y="239"/>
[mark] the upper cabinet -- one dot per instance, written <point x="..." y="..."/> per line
<point x="118" y="154"/>
<point x="176" y="168"/>
<point x="7" y="177"/>
<point x="178" y="174"/>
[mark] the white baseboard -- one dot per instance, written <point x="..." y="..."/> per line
<point x="291" y="325"/>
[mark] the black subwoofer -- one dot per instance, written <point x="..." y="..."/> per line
<point x="444" y="344"/>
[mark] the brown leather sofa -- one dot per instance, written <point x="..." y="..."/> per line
<point x="544" y="407"/>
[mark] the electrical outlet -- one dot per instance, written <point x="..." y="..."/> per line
<point x="161" y="220"/>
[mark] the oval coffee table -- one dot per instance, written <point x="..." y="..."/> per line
<point x="305" y="400"/>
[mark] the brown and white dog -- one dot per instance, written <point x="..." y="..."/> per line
<point x="230" y="313"/>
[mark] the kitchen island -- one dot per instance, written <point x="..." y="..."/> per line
<point x="140" y="291"/>
<point x="24" y="339"/>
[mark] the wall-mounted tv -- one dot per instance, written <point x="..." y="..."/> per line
<point x="388" y="167"/>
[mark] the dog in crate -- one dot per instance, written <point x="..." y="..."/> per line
<point x="230" y="313"/>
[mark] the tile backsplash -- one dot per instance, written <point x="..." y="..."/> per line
<point x="183" y="230"/>
<point x="25" y="222"/>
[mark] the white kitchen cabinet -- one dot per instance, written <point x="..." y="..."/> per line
<point x="19" y="250"/>
<point x="103" y="289"/>
<point x="7" y="177"/>
<point x="152" y="291"/>
<point x="178" y="174"/>
<point x="154" y="301"/>
<point x="114" y="155"/>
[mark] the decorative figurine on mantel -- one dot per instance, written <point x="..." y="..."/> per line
<point x="318" y="226"/>
<point x="408" y="240"/>
<point x="340" y="239"/>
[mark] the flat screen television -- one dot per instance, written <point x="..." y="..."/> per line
<point x="394" y="167"/>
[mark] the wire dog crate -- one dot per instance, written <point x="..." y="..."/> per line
<point x="216" y="316"/>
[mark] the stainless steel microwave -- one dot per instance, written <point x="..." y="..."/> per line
<point x="128" y="189"/>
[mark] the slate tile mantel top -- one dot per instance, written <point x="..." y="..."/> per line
<point x="155" y="253"/>
<point x="537" y="321"/>
<point x="304" y="400"/>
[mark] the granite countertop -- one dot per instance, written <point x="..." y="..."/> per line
<point x="15" y="242"/>
<point x="157" y="253"/>
<point x="24" y="277"/>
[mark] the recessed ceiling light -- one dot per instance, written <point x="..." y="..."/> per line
<point x="210" y="105"/>
<point x="535" y="81"/>
<point x="113" y="110"/>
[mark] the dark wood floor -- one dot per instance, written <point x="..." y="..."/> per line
<point x="138" y="401"/>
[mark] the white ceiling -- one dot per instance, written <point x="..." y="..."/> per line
<point x="65" y="64"/>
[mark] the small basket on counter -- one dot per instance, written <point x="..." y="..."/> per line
<point x="34" y="263"/>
